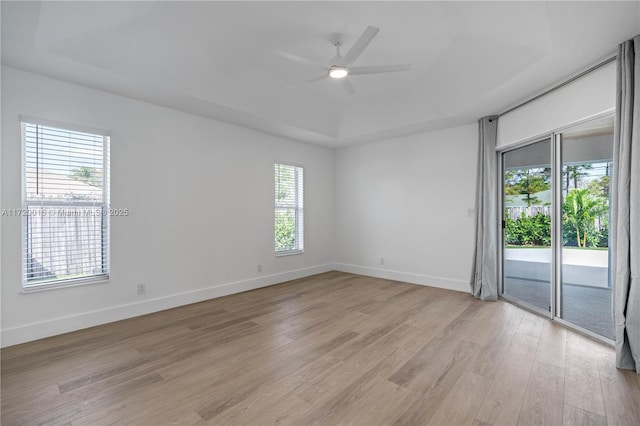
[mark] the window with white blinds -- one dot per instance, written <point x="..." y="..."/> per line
<point x="65" y="206"/>
<point x="289" y="209"/>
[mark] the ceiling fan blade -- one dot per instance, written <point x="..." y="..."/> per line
<point x="359" y="46"/>
<point x="301" y="60"/>
<point x="348" y="87"/>
<point x="378" y="69"/>
<point x="302" y="83"/>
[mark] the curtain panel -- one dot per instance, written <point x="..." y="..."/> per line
<point x="484" y="275"/>
<point x="625" y="207"/>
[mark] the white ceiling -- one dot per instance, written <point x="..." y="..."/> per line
<point x="232" y="60"/>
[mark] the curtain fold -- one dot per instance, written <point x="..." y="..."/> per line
<point x="625" y="207"/>
<point x="484" y="283"/>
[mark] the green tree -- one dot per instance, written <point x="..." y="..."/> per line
<point x="599" y="187"/>
<point x="574" y="174"/>
<point x="285" y="221"/>
<point x="579" y="211"/>
<point x="527" y="182"/>
<point x="88" y="175"/>
<point x="285" y="234"/>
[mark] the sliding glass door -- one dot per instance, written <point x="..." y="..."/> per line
<point x="555" y="195"/>
<point x="527" y="225"/>
<point x="585" y="288"/>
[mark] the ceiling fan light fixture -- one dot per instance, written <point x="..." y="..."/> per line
<point x="341" y="67"/>
<point x="338" y="72"/>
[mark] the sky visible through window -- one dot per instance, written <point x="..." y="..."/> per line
<point x="63" y="151"/>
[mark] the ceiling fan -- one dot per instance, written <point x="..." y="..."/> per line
<point x="340" y="66"/>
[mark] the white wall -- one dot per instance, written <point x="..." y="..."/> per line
<point x="200" y="193"/>
<point x="590" y="95"/>
<point x="406" y="200"/>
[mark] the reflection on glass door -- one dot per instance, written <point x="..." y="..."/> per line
<point x="585" y="293"/>
<point x="527" y="225"/>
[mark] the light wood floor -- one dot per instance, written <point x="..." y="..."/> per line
<point x="330" y="349"/>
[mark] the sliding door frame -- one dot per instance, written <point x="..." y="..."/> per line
<point x="556" y="226"/>
<point x="501" y="219"/>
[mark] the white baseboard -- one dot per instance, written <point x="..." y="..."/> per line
<point x="409" y="277"/>
<point x="29" y="332"/>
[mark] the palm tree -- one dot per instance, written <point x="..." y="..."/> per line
<point x="88" y="175"/>
<point x="580" y="210"/>
<point x="575" y="173"/>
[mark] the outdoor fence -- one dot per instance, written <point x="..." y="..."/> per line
<point x="516" y="212"/>
<point x="63" y="242"/>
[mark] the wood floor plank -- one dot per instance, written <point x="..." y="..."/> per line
<point x="244" y="384"/>
<point x="60" y="413"/>
<point x="378" y="405"/>
<point x="620" y="391"/>
<point x="506" y="392"/>
<point x="275" y="401"/>
<point x="440" y="314"/>
<point x="552" y="344"/>
<point x="271" y="412"/>
<point x="574" y="416"/>
<point x="291" y="359"/>
<point x="334" y="348"/>
<point x="462" y="402"/>
<point x="188" y="394"/>
<point x="582" y="380"/>
<point x="56" y="373"/>
<point x="542" y="403"/>
<point x="331" y="408"/>
<point x="385" y="356"/>
<point x="499" y="341"/>
<point x="431" y="378"/>
<point x="442" y="344"/>
<point x="531" y="324"/>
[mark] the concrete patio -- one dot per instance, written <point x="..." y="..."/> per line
<point x="586" y="299"/>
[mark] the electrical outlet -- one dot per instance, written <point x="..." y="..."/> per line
<point x="382" y="261"/>
<point x="142" y="288"/>
<point x="471" y="212"/>
<point x="259" y="268"/>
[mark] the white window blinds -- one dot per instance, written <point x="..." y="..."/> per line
<point x="65" y="206"/>
<point x="289" y="209"/>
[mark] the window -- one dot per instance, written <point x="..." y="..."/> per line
<point x="289" y="223"/>
<point x="65" y="206"/>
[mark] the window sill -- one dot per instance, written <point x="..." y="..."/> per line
<point x="289" y="253"/>
<point x="80" y="282"/>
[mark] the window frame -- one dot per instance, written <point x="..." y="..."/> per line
<point x="105" y="229"/>
<point x="298" y="209"/>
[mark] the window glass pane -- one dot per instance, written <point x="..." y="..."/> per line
<point x="587" y="165"/>
<point x="63" y="165"/>
<point x="66" y="228"/>
<point x="527" y="225"/>
<point x="285" y="229"/>
<point x="289" y="194"/>
<point x="64" y="243"/>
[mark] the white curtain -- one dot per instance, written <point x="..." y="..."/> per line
<point x="484" y="276"/>
<point x="625" y="207"/>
